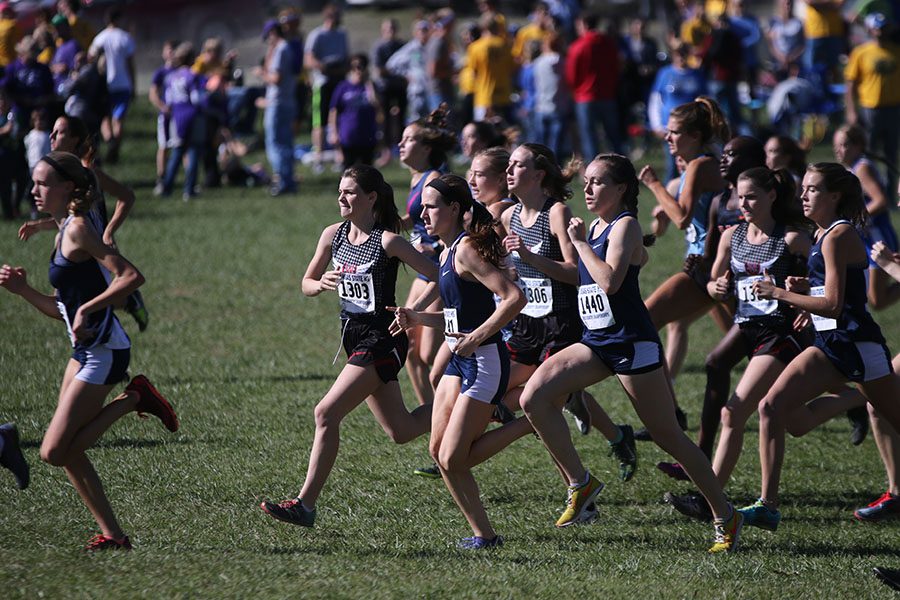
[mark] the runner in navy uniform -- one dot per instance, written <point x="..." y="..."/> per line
<point x="70" y="134"/>
<point x="619" y="339"/>
<point x="477" y="375"/>
<point x="423" y="149"/>
<point x="848" y="344"/>
<point x="358" y="259"/>
<point x="90" y="278"/>
<point x="693" y="132"/>
<point x="546" y="264"/>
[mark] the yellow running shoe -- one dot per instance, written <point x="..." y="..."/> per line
<point x="580" y="498"/>
<point x="728" y="532"/>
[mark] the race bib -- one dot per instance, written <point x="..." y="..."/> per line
<point x="748" y="304"/>
<point x="819" y="322"/>
<point x="539" y="294"/>
<point x="451" y="325"/>
<point x="357" y="293"/>
<point x="594" y="308"/>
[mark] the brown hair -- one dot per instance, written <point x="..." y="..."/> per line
<point x="785" y="209"/>
<point x="434" y="132"/>
<point x="497" y="159"/>
<point x="370" y="179"/>
<point x="67" y="167"/>
<point x="852" y="203"/>
<point x="556" y="179"/>
<point x="621" y="170"/>
<point x="455" y="189"/>
<point x="705" y="117"/>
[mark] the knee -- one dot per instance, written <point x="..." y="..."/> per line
<point x="53" y="454"/>
<point x="435" y="377"/>
<point x="529" y="401"/>
<point x="325" y="416"/>
<point x="732" y="418"/>
<point x="768" y="411"/>
<point x="450" y="459"/>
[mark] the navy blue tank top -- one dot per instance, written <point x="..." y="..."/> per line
<point x="621" y="317"/>
<point x="77" y="283"/>
<point x="854" y="319"/>
<point x="467" y="304"/>
<point x="414" y="210"/>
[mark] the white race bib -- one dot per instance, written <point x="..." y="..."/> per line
<point x="357" y="293"/>
<point x="749" y="305"/>
<point x="819" y="322"/>
<point x="594" y="308"/>
<point x="539" y="294"/>
<point x="451" y="325"/>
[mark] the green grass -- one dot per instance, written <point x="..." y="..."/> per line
<point x="244" y="358"/>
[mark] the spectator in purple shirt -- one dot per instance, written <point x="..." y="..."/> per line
<point x="353" y="118"/>
<point x="184" y="95"/>
<point x="157" y="91"/>
<point x="28" y="82"/>
<point x="66" y="49"/>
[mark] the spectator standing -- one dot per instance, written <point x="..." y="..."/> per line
<point x="786" y="39"/>
<point x="9" y="153"/>
<point x="592" y="73"/>
<point x="156" y="96"/>
<point x="85" y="91"/>
<point x="723" y="58"/>
<point x="278" y="74"/>
<point x="289" y="20"/>
<point x="409" y="62"/>
<point x="525" y="111"/>
<point x="354" y="115"/>
<point x="439" y="63"/>
<point x="29" y="83"/>
<point x="539" y="25"/>
<point x="118" y="48"/>
<point x="872" y="95"/>
<point x="749" y="32"/>
<point x="490" y="59"/>
<point x="552" y="100"/>
<point x="10" y="34"/>
<point x="823" y="27"/>
<point x="37" y="145"/>
<point x="184" y="91"/>
<point x="82" y="31"/>
<point x="67" y="48"/>
<point x="390" y="87"/>
<point x="640" y="65"/>
<point x="327" y="53"/>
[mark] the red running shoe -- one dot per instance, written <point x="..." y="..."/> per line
<point x="151" y="401"/>
<point x="673" y="470"/>
<point x="104" y="542"/>
<point x="885" y="507"/>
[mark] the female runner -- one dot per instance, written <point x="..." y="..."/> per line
<point x="692" y="131"/>
<point x="477" y="375"/>
<point x="848" y="343"/>
<point x="423" y="149"/>
<point x="547" y="267"/>
<point x="619" y="339"/>
<point x="90" y="278"/>
<point x="70" y="134"/>
<point x="364" y="252"/>
<point x="850" y="150"/>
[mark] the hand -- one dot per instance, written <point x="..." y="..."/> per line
<point x="466" y="344"/>
<point x="802" y="321"/>
<point x="648" y="176"/>
<point x="576" y="230"/>
<point x="882" y="255"/>
<point x="109" y="240"/>
<point x="79" y="327"/>
<point x="797" y="285"/>
<point x="764" y="289"/>
<point x="329" y="280"/>
<point x="426" y="249"/>
<point x="404" y="319"/>
<point x="14" y="279"/>
<point x="514" y="243"/>
<point x="660" y="220"/>
<point x="333" y="137"/>
<point x="722" y="286"/>
<point x="28" y="229"/>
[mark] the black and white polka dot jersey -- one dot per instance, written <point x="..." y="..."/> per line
<point x="749" y="263"/>
<point x="540" y="240"/>
<point x="369" y="275"/>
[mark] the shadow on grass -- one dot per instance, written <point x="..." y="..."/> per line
<point x="231" y="379"/>
<point x="122" y="443"/>
<point x="795" y="502"/>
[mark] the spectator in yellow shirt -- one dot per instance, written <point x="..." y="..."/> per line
<point x="490" y="59"/>
<point x="10" y="34"/>
<point x="823" y="27"/>
<point x="872" y="94"/>
<point x="538" y="28"/>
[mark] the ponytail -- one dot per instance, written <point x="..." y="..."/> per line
<point x="703" y="116"/>
<point x="556" y="179"/>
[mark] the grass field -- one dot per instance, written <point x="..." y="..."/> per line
<point x="244" y="358"/>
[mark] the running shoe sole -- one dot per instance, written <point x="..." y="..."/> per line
<point x="162" y="409"/>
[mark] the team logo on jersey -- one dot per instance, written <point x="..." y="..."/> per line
<point x="363" y="268"/>
<point x="753" y="268"/>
